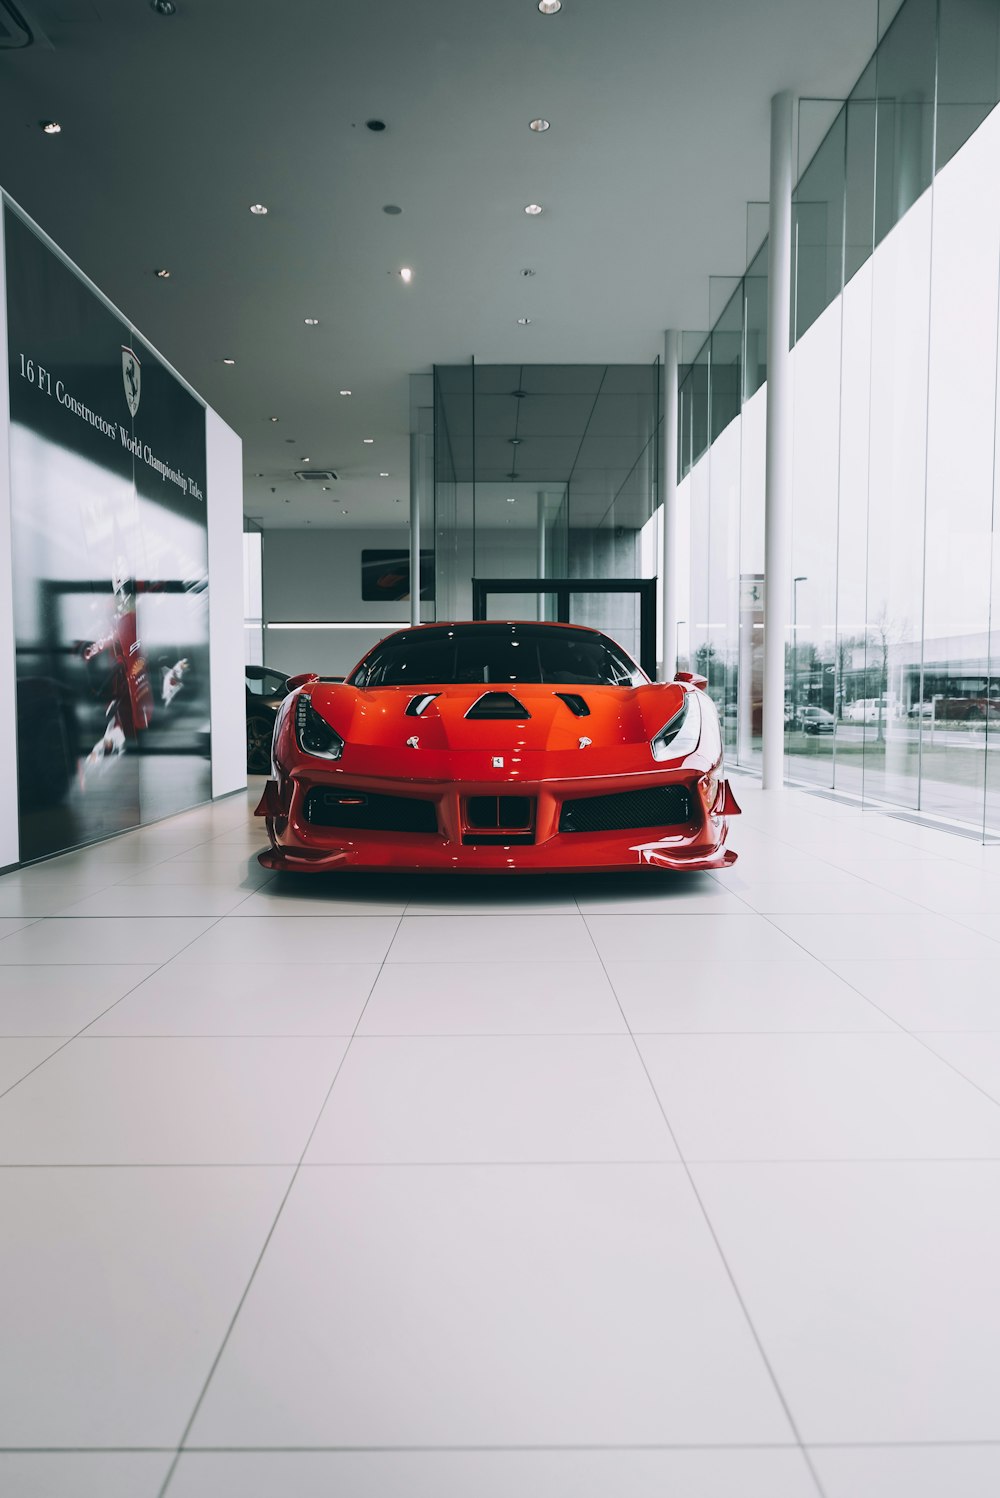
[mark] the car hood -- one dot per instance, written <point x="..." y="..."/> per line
<point x="552" y="720"/>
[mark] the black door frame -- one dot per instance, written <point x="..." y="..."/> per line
<point x="562" y="587"/>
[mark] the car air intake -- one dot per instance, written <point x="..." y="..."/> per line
<point x="417" y="706"/>
<point x="489" y="812"/>
<point x="498" y="705"/>
<point x="344" y="807"/>
<point x="575" y="703"/>
<point x="660" y="806"/>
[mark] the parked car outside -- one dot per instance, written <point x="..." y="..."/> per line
<point x="265" y="691"/>
<point x="816" y="720"/>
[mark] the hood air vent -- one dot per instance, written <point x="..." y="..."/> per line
<point x="575" y="703"/>
<point x="417" y="706"/>
<point x="498" y="705"/>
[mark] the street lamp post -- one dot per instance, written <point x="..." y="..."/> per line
<point x="795" y="643"/>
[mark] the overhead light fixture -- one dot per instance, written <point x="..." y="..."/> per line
<point x="311" y="322"/>
<point x="392" y="209"/>
<point x="511" y="499"/>
<point x="406" y="274"/>
<point x="524" y="321"/>
<point x="533" y="209"/>
<point x="343" y="512"/>
<point x="376" y="125"/>
<point x="549" y="7"/>
<point x="538" y="125"/>
<point x="514" y="441"/>
<point x="163" y="7"/>
<point x="527" y="271"/>
<point x="229" y="361"/>
<point x="274" y="418"/>
<point x="369" y="440"/>
<point x="50" y="127"/>
<point x="162" y="274"/>
<point x="305" y="460"/>
<point x="258" y="209"/>
<point x="519" y="394"/>
<point x="345" y="392"/>
<point x="383" y="475"/>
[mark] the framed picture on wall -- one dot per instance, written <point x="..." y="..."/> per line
<point x="385" y="575"/>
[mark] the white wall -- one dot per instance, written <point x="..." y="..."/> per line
<point x="224" y="465"/>
<point x="8" y="695"/>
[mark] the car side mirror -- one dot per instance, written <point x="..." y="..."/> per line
<point x="693" y="679"/>
<point x="302" y="681"/>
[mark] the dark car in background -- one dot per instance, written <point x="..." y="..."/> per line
<point x="266" y="690"/>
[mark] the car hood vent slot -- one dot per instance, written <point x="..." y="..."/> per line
<point x="498" y="705"/>
<point x="575" y="703"/>
<point x="417" y="706"/>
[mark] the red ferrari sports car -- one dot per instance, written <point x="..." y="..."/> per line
<point x="497" y="747"/>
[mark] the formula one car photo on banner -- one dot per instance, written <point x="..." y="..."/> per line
<point x="497" y="747"/>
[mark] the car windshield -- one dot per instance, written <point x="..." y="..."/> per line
<point x="497" y="653"/>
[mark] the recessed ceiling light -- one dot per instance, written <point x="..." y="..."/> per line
<point x="50" y="127"/>
<point x="369" y="440"/>
<point x="512" y="474"/>
<point x="527" y="272"/>
<point x="345" y="392"/>
<point x="524" y="321"/>
<point x="514" y="441"/>
<point x="511" y="499"/>
<point x="343" y="512"/>
<point x="406" y="274"/>
<point x="519" y="394"/>
<point x="258" y="209"/>
<point x="163" y="7"/>
<point x="162" y="273"/>
<point x="538" y="125"/>
<point x="229" y="361"/>
<point x="326" y="488"/>
<point x="376" y="125"/>
<point x="274" y="418"/>
<point x="383" y="475"/>
<point x="533" y="209"/>
<point x="392" y="209"/>
<point x="305" y="460"/>
<point x="311" y="322"/>
<point x="549" y="7"/>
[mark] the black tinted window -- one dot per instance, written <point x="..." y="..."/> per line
<point x="498" y="653"/>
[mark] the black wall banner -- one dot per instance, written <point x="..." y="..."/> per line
<point x="108" y="497"/>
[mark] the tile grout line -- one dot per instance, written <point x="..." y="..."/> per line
<point x="714" y="1235"/>
<point x="269" y="1235"/>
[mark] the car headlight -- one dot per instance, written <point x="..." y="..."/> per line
<point x="680" y="736"/>
<point x="314" y="734"/>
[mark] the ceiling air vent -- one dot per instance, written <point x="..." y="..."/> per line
<point x="316" y="475"/>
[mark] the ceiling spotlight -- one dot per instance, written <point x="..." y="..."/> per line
<point x="369" y="440"/>
<point x="163" y="7"/>
<point x="162" y="274"/>
<point x="538" y="125"/>
<point x="305" y="460"/>
<point x="514" y="441"/>
<point x="229" y="361"/>
<point x="524" y="321"/>
<point x="549" y="7"/>
<point x="383" y="475"/>
<point x="406" y="274"/>
<point x="527" y="272"/>
<point x="533" y="209"/>
<point x="50" y="127"/>
<point x="517" y="394"/>
<point x="273" y="418"/>
<point x="326" y="488"/>
<point x="258" y="209"/>
<point x="343" y="512"/>
<point x="392" y="209"/>
<point x="511" y="499"/>
<point x="345" y="392"/>
<point x="377" y="125"/>
<point x="311" y="322"/>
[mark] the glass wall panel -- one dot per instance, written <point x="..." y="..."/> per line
<point x="818" y="225"/>
<point x="955" y="700"/>
<point x="904" y="77"/>
<point x="968" y="78"/>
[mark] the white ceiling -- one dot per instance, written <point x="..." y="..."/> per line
<point x="173" y="126"/>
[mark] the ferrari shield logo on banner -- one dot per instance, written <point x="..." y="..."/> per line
<point x="132" y="378"/>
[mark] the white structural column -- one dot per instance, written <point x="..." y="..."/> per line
<point x="669" y="583"/>
<point x="778" y="479"/>
<point x="416" y="475"/>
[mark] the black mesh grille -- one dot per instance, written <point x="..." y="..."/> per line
<point x="488" y="812"/>
<point x="344" y="807"/>
<point x="660" y="806"/>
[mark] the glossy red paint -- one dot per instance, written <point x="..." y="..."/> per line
<point x="489" y="794"/>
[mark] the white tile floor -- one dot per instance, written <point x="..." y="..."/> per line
<point x="394" y="1187"/>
